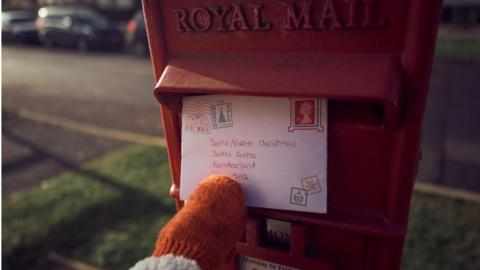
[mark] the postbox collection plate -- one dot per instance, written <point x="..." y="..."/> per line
<point x="249" y="263"/>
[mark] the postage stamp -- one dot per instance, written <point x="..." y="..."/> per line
<point x="305" y="114"/>
<point x="311" y="184"/>
<point x="197" y="123"/>
<point x="222" y="115"/>
<point x="298" y="196"/>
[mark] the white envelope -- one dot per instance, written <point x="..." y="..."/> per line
<point x="275" y="147"/>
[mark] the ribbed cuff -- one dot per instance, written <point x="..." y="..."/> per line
<point x="194" y="252"/>
<point x="166" y="262"/>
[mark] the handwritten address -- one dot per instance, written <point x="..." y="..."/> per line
<point x="279" y="167"/>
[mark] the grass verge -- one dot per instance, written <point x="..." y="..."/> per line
<point x="443" y="234"/>
<point x="109" y="213"/>
<point x="464" y="48"/>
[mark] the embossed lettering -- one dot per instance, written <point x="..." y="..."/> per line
<point x="369" y="10"/>
<point x="352" y="13"/>
<point x="329" y="14"/>
<point x="315" y="15"/>
<point x="238" y="18"/>
<point x="220" y="12"/>
<point x="298" y="19"/>
<point x="182" y="25"/>
<point x="258" y="23"/>
<point x="200" y="19"/>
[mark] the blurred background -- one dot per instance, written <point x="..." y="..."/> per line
<point x="85" y="174"/>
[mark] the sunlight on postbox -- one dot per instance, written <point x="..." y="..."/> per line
<point x="314" y="107"/>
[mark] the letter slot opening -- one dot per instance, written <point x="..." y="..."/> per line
<point x="359" y="85"/>
<point x="356" y="112"/>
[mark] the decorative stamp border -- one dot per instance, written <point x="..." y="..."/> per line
<point x="298" y="196"/>
<point x="226" y="114"/>
<point x="316" y="125"/>
<point x="311" y="184"/>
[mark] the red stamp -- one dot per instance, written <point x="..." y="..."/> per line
<point x="197" y="123"/>
<point x="305" y="114"/>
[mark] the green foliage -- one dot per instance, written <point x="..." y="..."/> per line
<point x="458" y="48"/>
<point x="107" y="214"/>
<point x="443" y="234"/>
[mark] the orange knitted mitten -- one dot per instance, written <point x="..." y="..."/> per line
<point x="208" y="226"/>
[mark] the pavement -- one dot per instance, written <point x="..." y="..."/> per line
<point x="451" y="130"/>
<point x="62" y="109"/>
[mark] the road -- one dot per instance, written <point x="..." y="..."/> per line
<point x="115" y="91"/>
<point x="112" y="90"/>
<point x="102" y="89"/>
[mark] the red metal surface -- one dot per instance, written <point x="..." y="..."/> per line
<point x="370" y="58"/>
<point x="370" y="79"/>
<point x="378" y="39"/>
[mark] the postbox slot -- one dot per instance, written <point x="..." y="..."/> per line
<point x="355" y="112"/>
<point x="370" y="79"/>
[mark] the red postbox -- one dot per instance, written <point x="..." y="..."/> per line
<point x="370" y="58"/>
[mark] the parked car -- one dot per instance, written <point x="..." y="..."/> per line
<point x="136" y="35"/>
<point x="82" y="28"/>
<point x="19" y="26"/>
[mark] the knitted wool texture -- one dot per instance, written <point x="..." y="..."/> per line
<point x="208" y="226"/>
